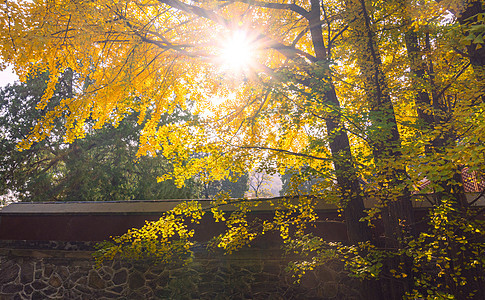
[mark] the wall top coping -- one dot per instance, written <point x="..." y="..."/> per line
<point x="114" y="207"/>
<point x="89" y="207"/>
<point x="157" y="206"/>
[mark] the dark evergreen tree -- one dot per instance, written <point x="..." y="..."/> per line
<point x="102" y="166"/>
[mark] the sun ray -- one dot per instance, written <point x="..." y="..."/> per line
<point x="237" y="53"/>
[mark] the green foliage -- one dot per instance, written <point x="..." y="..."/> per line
<point x="448" y="259"/>
<point x="31" y="172"/>
<point x="235" y="186"/>
<point x="103" y="166"/>
<point x="302" y="182"/>
<point x="445" y="261"/>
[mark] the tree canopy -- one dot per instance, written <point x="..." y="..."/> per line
<point x="386" y="93"/>
<point x="101" y="167"/>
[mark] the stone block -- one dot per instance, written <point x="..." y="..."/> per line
<point x="150" y="276"/>
<point x="12" y="288"/>
<point x="135" y="295"/>
<point x="82" y="289"/>
<point x="28" y="289"/>
<point x="106" y="273"/>
<point x="163" y="279"/>
<point x="145" y="291"/>
<point x="48" y="270"/>
<point x="50" y="292"/>
<point x="141" y="267"/>
<point x="115" y="264"/>
<point x="269" y="296"/>
<point x="155" y="270"/>
<point x="110" y="295"/>
<point x="38" y="274"/>
<point x="27" y="273"/>
<point x="55" y="281"/>
<point x="95" y="281"/>
<point x="117" y="289"/>
<point x="10" y="272"/>
<point x="120" y="277"/>
<point x="82" y="281"/>
<point x="64" y="272"/>
<point x="20" y="296"/>
<point x="136" y="280"/>
<point x="39" y="285"/>
<point x="37" y="296"/>
<point x="61" y="293"/>
<point x="76" y="275"/>
<point x="211" y="287"/>
<point x="162" y="294"/>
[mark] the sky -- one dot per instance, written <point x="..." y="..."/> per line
<point x="7" y="76"/>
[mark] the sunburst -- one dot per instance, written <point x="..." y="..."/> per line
<point x="237" y="52"/>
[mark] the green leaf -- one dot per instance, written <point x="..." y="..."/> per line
<point x="478" y="40"/>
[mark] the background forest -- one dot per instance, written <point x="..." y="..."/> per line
<point x="101" y="167"/>
<point x="352" y="100"/>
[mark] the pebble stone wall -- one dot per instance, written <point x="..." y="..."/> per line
<point x="71" y="274"/>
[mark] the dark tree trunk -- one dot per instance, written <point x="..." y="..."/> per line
<point x="352" y="199"/>
<point x="466" y="17"/>
<point x="431" y="109"/>
<point x="419" y="70"/>
<point x="397" y="212"/>
<point x="384" y="134"/>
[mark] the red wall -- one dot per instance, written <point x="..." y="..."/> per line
<point x="98" y="227"/>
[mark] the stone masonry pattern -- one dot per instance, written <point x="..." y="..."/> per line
<point x="67" y="274"/>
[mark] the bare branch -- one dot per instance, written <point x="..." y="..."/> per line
<point x="280" y="6"/>
<point x="453" y="80"/>
<point x="299" y="36"/>
<point x="287" y="51"/>
<point x="286" y="152"/>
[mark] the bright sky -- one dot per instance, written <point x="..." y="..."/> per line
<point x="7" y="76"/>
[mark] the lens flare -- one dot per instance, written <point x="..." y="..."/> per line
<point x="237" y="52"/>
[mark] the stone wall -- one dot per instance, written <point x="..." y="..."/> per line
<point x="31" y="273"/>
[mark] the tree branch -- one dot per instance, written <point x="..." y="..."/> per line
<point x="285" y="151"/>
<point x="280" y="6"/>
<point x="453" y="80"/>
<point x="287" y="51"/>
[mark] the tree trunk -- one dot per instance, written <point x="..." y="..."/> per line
<point x="385" y="139"/>
<point x="351" y="193"/>
<point x="431" y="110"/>
<point x="397" y="212"/>
<point x="466" y="17"/>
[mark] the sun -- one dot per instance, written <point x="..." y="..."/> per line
<point x="235" y="60"/>
<point x="237" y="54"/>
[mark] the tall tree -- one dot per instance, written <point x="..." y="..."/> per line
<point x="328" y="85"/>
<point x="166" y="67"/>
<point x="31" y="172"/>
